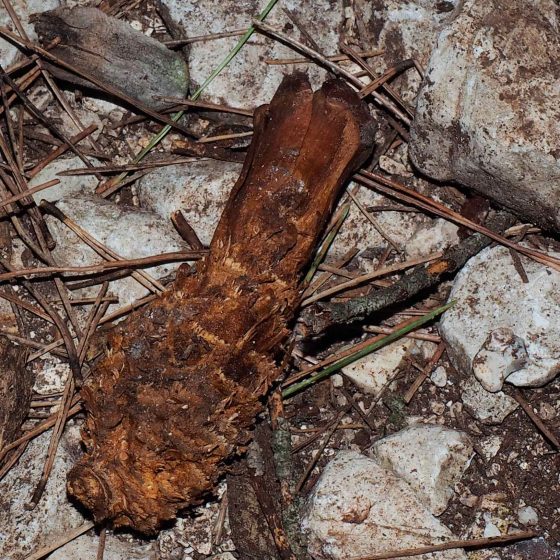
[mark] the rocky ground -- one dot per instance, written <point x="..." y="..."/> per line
<point x="446" y="435"/>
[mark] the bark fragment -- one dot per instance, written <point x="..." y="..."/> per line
<point x="16" y="380"/>
<point x="177" y="393"/>
<point x="16" y="384"/>
<point x="114" y="53"/>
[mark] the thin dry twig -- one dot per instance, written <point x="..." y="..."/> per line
<point x="415" y="335"/>
<point x="185" y="230"/>
<point x="317" y="456"/>
<point x="121" y="168"/>
<point x="398" y="190"/>
<point x="20" y="196"/>
<point x="202" y="38"/>
<point x="61" y="150"/>
<point x="101" y="545"/>
<point x="62" y="416"/>
<point x="374" y="222"/>
<point x="181" y="103"/>
<point x="333" y="58"/>
<point x="39" y="429"/>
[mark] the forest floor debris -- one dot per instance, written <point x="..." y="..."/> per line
<point x="389" y="216"/>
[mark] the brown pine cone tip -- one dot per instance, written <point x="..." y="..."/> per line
<point x="177" y="393"/>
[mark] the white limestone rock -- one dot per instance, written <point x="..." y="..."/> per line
<point x="21" y="530"/>
<point x="438" y="235"/>
<point x="439" y="377"/>
<point x="359" y="508"/>
<point x="527" y="515"/>
<point x="490" y="446"/>
<point x="86" y="546"/>
<point x="405" y="29"/>
<point x="500" y="355"/>
<point x="129" y="232"/>
<point x="372" y="372"/>
<point x="51" y="374"/>
<point x="199" y="189"/>
<point x="23" y="8"/>
<point x="430" y="458"/>
<point x="248" y="81"/>
<point x="487" y="114"/>
<point x="490" y="408"/>
<point x="501" y="328"/>
<point x="68" y="186"/>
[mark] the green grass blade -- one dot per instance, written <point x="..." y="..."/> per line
<point x="323" y="374"/>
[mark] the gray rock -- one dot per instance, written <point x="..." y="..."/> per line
<point x="404" y="29"/>
<point x="431" y="458"/>
<point x="372" y="372"/>
<point x="21" y="530"/>
<point x="359" y="508"/>
<point x="68" y="186"/>
<point x="23" y="8"/>
<point x="248" y="81"/>
<point x="491" y="297"/>
<point x="488" y="113"/>
<point x="490" y="408"/>
<point x="199" y="189"/>
<point x="130" y="232"/>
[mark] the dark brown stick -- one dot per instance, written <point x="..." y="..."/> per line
<point x="420" y="279"/>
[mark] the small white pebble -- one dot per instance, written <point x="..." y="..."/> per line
<point x="437" y="408"/>
<point x="337" y="380"/>
<point x="527" y="515"/>
<point x="490" y="530"/>
<point x="439" y="377"/>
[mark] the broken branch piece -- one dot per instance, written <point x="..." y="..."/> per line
<point x="177" y="393"/>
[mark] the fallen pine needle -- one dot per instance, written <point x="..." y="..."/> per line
<point x="467" y="543"/>
<point x="60" y="541"/>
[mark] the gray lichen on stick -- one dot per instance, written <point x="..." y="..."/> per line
<point x="176" y="395"/>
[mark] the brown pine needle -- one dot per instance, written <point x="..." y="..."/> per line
<point x="130" y="263"/>
<point x="484" y="542"/>
<point x="398" y="190"/>
<point x="26" y="193"/>
<point x="60" y="541"/>
<point x="334" y="58"/>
